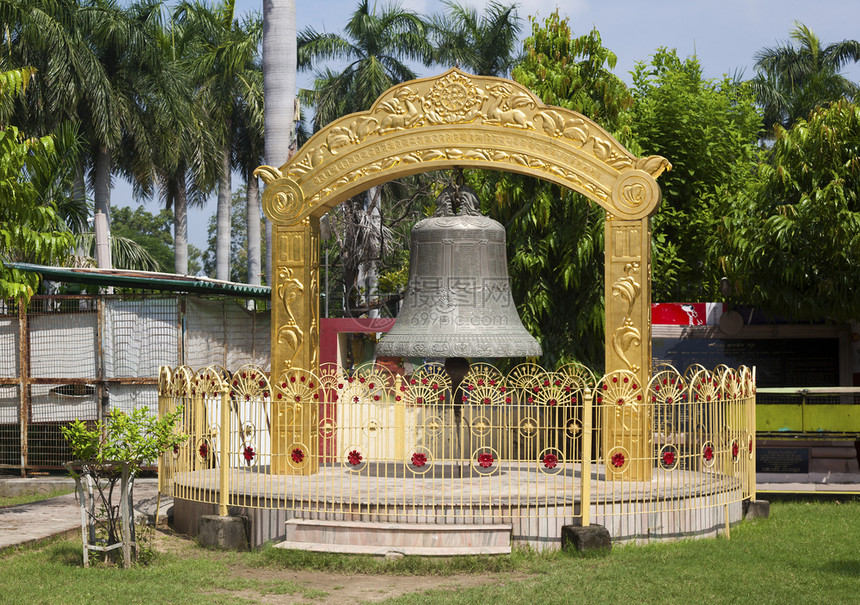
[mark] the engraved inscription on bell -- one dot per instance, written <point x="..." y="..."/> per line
<point x="458" y="301"/>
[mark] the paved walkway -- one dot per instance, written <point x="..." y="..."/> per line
<point x="29" y="523"/>
<point x="812" y="483"/>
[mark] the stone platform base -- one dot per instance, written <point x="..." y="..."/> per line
<point x="387" y="539"/>
<point x="538" y="526"/>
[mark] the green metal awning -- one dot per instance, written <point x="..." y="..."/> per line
<point x="147" y="280"/>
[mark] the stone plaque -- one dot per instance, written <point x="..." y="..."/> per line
<point x="782" y="460"/>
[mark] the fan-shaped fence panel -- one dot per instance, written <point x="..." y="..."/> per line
<point x="528" y="447"/>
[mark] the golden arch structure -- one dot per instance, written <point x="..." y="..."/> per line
<point x="452" y="120"/>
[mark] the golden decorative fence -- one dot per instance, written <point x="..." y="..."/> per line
<point x="530" y="444"/>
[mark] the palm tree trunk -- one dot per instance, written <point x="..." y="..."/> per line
<point x="180" y="227"/>
<point x="101" y="194"/>
<point x="222" y="233"/>
<point x="374" y="210"/>
<point x="79" y="187"/>
<point x="279" y="89"/>
<point x="253" y="201"/>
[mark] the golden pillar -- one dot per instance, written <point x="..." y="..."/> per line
<point x="627" y="420"/>
<point x="295" y="344"/>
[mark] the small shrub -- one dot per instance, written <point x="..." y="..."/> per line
<point x="135" y="438"/>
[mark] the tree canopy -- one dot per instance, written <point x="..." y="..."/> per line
<point x="238" y="240"/>
<point x="708" y="129"/>
<point x="153" y="233"/>
<point x="790" y="240"/>
<point x="481" y="44"/>
<point x="31" y="229"/>
<point x="799" y="75"/>
<point x="555" y="236"/>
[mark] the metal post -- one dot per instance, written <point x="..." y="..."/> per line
<point x="182" y="331"/>
<point x="585" y="490"/>
<point x="752" y="413"/>
<point x="24" y="374"/>
<point x="326" y="283"/>
<point x="102" y="396"/>
<point x="399" y="422"/>
<point x="126" y="515"/>
<point x="162" y="411"/>
<point x="224" y="457"/>
<point x="86" y="497"/>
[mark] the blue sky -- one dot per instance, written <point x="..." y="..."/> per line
<point x="725" y="35"/>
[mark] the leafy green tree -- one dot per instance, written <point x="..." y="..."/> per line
<point x="184" y="155"/>
<point x="136" y="438"/>
<point x="799" y="75"/>
<point x="482" y="44"/>
<point x="124" y="43"/>
<point x="96" y="64"/>
<point x="573" y="72"/>
<point x="555" y="236"/>
<point x="790" y="241"/>
<point x="31" y="229"/>
<point x="153" y="233"/>
<point x="708" y="129"/>
<point x="68" y="42"/>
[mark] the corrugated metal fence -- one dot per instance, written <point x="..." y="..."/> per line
<point x="79" y="357"/>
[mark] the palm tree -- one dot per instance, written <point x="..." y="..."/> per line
<point x="59" y="38"/>
<point x="794" y="79"/>
<point x="279" y="85"/>
<point x="89" y="55"/>
<point x="483" y="44"/>
<point x="124" y="43"/>
<point x="249" y="147"/>
<point x="375" y="47"/>
<point x="225" y="55"/>
<point x="183" y="154"/>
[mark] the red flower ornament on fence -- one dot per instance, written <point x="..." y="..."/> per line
<point x="354" y="458"/>
<point x="249" y="454"/>
<point x="297" y="455"/>
<point x="550" y="461"/>
<point x="485" y="460"/>
<point x="419" y="459"/>
<point x="618" y="460"/>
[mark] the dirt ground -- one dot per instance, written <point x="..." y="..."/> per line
<point x="320" y="587"/>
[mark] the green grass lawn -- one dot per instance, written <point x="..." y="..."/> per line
<point x="34" y="497"/>
<point x="804" y="553"/>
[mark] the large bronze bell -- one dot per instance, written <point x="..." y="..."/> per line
<point x="458" y="300"/>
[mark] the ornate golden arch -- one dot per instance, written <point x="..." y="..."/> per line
<point x="457" y="119"/>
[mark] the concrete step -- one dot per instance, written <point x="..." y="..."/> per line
<point x="405" y="538"/>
